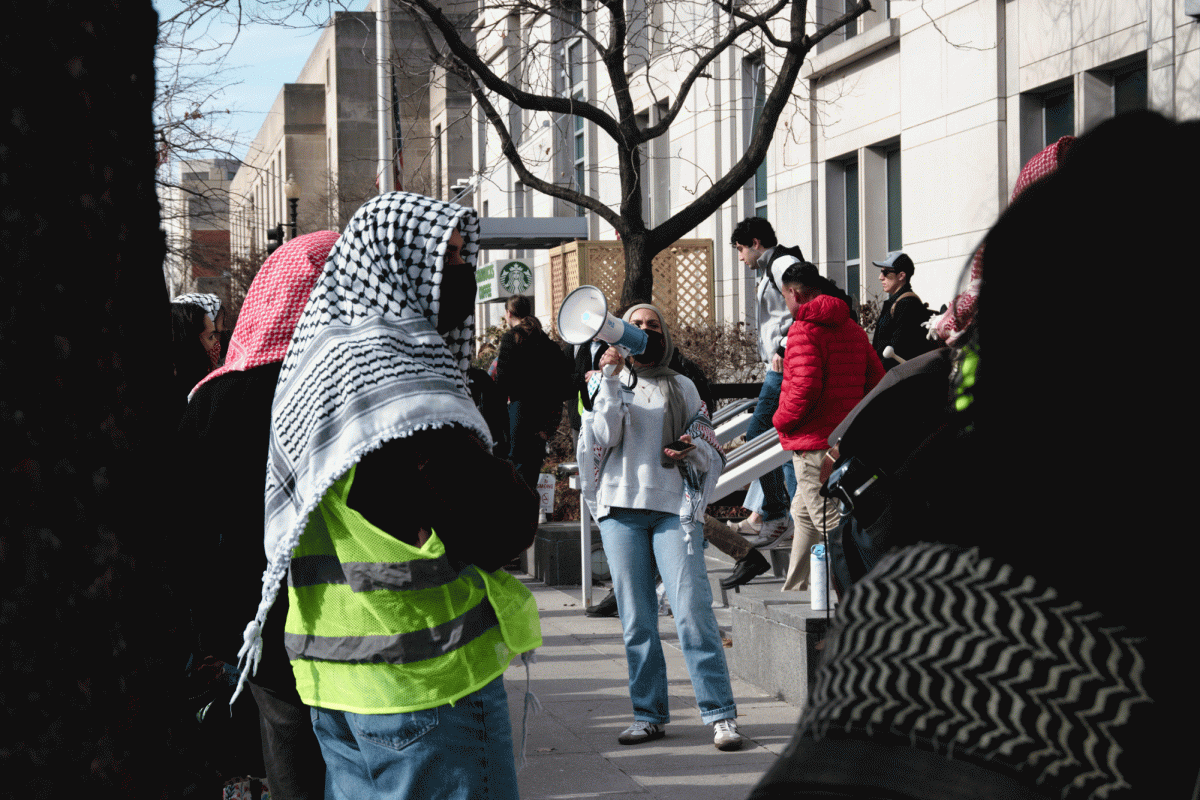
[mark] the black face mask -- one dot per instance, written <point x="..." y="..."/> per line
<point x="656" y="347"/>
<point x="457" y="298"/>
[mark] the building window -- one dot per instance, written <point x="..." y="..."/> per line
<point x="637" y="36"/>
<point x="579" y="137"/>
<point x="575" y="64"/>
<point x="573" y="15"/>
<point x="755" y="81"/>
<point x="1129" y="89"/>
<point x="516" y="50"/>
<point x="853" y="261"/>
<point x="1113" y="89"/>
<point x="519" y="210"/>
<point x="851" y="29"/>
<point x="572" y="145"/>
<point x="829" y="10"/>
<point x="895" y="235"/>
<point x="1058" y="116"/>
<point x="575" y="81"/>
<point x="437" y="162"/>
<point x="1047" y="115"/>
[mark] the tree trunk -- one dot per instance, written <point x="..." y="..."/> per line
<point x="639" y="274"/>
<point x="90" y="679"/>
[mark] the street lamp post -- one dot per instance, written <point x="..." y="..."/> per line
<point x="291" y="191"/>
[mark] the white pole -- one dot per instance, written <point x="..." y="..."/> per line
<point x="585" y="547"/>
<point x="383" y="87"/>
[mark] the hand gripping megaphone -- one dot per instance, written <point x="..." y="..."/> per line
<point x="584" y="316"/>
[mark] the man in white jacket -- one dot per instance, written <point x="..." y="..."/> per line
<point x="759" y="250"/>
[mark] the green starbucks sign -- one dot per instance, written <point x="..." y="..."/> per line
<point x="498" y="280"/>
<point x="516" y="277"/>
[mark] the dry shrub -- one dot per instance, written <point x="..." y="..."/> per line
<point x="868" y="314"/>
<point x="487" y="344"/>
<point x="726" y="353"/>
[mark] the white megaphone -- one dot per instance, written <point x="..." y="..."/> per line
<point x="584" y="316"/>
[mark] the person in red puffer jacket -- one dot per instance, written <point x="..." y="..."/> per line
<point x="829" y="365"/>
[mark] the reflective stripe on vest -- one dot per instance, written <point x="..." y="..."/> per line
<point x="400" y="648"/>
<point x="376" y="625"/>
<point x="366" y="576"/>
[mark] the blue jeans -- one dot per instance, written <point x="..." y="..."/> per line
<point x="779" y="484"/>
<point x="459" y="752"/>
<point x="634" y="541"/>
<point x="527" y="450"/>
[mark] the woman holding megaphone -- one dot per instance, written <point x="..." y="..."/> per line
<point x="648" y="458"/>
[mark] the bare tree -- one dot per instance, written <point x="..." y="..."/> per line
<point x="617" y="32"/>
<point x="196" y="143"/>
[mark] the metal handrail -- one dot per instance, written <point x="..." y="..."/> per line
<point x="745" y="463"/>
<point x="733" y="409"/>
<point x="733" y="420"/>
<point x="750" y="461"/>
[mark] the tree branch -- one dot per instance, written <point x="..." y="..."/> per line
<point x="533" y="102"/>
<point x="685" y="88"/>
<point x="733" y="180"/>
<point x="508" y="146"/>
<point x="756" y="20"/>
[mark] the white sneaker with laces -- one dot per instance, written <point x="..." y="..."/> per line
<point x="726" y="736"/>
<point x="771" y="532"/>
<point x="641" y="731"/>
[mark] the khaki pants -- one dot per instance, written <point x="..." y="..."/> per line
<point x="811" y="513"/>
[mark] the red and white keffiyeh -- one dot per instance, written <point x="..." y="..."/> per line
<point x="277" y="296"/>
<point x="956" y="319"/>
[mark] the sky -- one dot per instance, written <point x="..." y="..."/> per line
<point x="262" y="58"/>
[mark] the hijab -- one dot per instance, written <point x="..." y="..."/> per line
<point x="272" y="307"/>
<point x="366" y="365"/>
<point x="212" y="307"/>
<point x="209" y="302"/>
<point x="675" y="421"/>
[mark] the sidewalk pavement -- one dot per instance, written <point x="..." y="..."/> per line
<point x="580" y="678"/>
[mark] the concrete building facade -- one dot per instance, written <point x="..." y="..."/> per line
<point x="195" y="217"/>
<point x="322" y="132"/>
<point x="906" y="132"/>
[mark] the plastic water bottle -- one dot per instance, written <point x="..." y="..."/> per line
<point x="818" y="578"/>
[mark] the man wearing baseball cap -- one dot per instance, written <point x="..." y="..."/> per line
<point x="902" y="315"/>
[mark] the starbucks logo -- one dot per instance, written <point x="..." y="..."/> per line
<point x="516" y="277"/>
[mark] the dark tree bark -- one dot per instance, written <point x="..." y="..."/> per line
<point x="88" y="619"/>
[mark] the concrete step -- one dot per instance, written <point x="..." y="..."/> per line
<point x="776" y="635"/>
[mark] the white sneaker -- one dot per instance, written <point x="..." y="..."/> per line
<point x="640" y="732"/>
<point x="772" y="532"/>
<point x="726" y="736"/>
<point x="784" y="542"/>
<point x="747" y="528"/>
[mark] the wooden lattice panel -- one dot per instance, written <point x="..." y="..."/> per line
<point x="692" y="280"/>
<point x="605" y="270"/>
<point x="683" y="284"/>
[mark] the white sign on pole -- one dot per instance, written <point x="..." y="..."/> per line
<point x="545" y="488"/>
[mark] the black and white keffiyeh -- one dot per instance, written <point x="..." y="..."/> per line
<point x="366" y="365"/>
<point x="209" y="302"/>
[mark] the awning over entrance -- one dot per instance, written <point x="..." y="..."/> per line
<point x="529" y="233"/>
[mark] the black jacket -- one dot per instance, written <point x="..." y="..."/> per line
<point x="899" y="325"/>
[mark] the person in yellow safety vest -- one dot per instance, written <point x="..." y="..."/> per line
<point x="391" y="519"/>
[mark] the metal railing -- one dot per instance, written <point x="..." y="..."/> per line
<point x="745" y="463"/>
